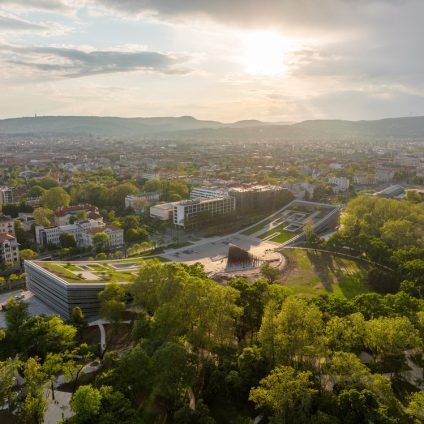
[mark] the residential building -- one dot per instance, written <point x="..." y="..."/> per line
<point x="116" y="235"/>
<point x="9" y="250"/>
<point x="7" y="225"/>
<point x="64" y="216"/>
<point x="207" y="192"/>
<point x="340" y="183"/>
<point x="189" y="213"/>
<point x="364" y="178"/>
<point x="27" y="220"/>
<point x="384" y="175"/>
<point x="83" y="231"/>
<point x="6" y="195"/>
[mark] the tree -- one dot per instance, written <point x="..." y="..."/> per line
<point x="7" y="380"/>
<point x="77" y="318"/>
<point x="41" y="335"/>
<point x="173" y="371"/>
<point x="101" y="241"/>
<point x="269" y="272"/>
<point x="112" y="302"/>
<point x="16" y="315"/>
<point x="27" y="254"/>
<point x="360" y="406"/>
<point x="413" y="196"/>
<point x="390" y="336"/>
<point x="52" y="365"/>
<point x="67" y="240"/>
<point x="346" y="333"/>
<point x="43" y="216"/>
<point x="285" y="395"/>
<point x="297" y="331"/>
<point x="86" y="403"/>
<point x="54" y="198"/>
<point x="35" y="404"/>
<point x="415" y="407"/>
<point x="44" y="182"/>
<point x="252" y="299"/>
<point x="118" y="193"/>
<point x="36" y="191"/>
<point x="346" y="371"/>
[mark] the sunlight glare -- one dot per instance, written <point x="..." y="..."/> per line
<point x="264" y="53"/>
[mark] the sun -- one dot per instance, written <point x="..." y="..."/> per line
<point x="264" y="53"/>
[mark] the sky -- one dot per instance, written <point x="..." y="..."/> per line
<point x="227" y="60"/>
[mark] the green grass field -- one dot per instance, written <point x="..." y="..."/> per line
<point x="311" y="273"/>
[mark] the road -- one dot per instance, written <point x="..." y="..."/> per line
<point x="36" y="306"/>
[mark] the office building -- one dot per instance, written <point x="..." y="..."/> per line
<point x="207" y="192"/>
<point x="190" y="213"/>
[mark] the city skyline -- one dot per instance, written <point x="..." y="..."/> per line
<point x="271" y="60"/>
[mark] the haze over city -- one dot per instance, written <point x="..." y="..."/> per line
<point x="273" y="60"/>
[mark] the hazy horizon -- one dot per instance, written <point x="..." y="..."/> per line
<point x="271" y="60"/>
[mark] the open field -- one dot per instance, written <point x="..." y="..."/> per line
<point x="310" y="273"/>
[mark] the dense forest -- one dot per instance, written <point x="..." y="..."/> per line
<point x="200" y="352"/>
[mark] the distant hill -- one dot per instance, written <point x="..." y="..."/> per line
<point x="189" y="127"/>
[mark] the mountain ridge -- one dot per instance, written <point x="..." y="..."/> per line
<point x="188" y="126"/>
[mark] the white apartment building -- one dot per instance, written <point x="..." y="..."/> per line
<point x="6" y="195"/>
<point x="9" y="250"/>
<point x="207" y="192"/>
<point x="7" y="225"/>
<point x="116" y="235"/>
<point x="341" y="183"/>
<point x="188" y="212"/>
<point x="83" y="232"/>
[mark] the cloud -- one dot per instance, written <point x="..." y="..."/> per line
<point x="311" y="14"/>
<point x="44" y="5"/>
<point x="9" y="22"/>
<point x="75" y="63"/>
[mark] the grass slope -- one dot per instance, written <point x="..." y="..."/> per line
<point x="310" y="273"/>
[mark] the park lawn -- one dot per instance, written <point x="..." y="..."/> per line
<point x="313" y="273"/>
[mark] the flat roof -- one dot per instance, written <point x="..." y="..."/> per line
<point x="91" y="272"/>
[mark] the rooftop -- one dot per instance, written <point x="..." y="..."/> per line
<point x="77" y="272"/>
<point x="6" y="237"/>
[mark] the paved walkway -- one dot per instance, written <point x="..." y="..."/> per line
<point x="59" y="408"/>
